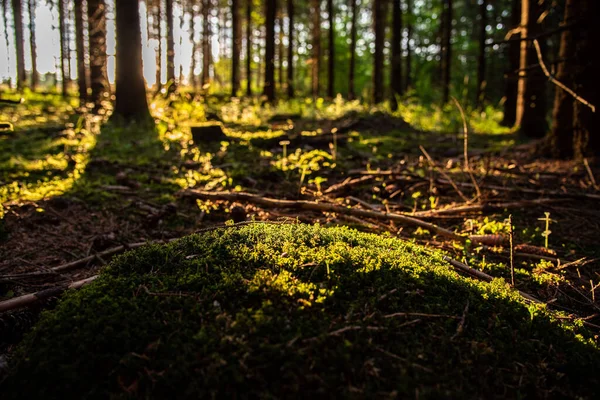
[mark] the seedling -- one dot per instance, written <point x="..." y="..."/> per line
<point x="547" y="231"/>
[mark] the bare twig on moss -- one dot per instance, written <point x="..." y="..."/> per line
<point x="466" y="146"/>
<point x="558" y="83"/>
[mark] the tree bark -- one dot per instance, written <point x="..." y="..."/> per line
<point x="33" y="45"/>
<point x="236" y="45"/>
<point x="290" y="56"/>
<point x="409" y="31"/>
<point x="192" y="78"/>
<point x="396" y="77"/>
<point x="248" y="48"/>
<point x="481" y="63"/>
<point x="206" y="48"/>
<point x="587" y="82"/>
<point x="354" y="11"/>
<point x="98" y="60"/>
<point x="316" y="47"/>
<point x="19" y="44"/>
<point x="511" y="82"/>
<point x="80" y="48"/>
<point x="269" y="85"/>
<point x="280" y="49"/>
<point x="379" y="27"/>
<point x="531" y="99"/>
<point x="170" y="47"/>
<point x="446" y="50"/>
<point x="131" y="102"/>
<point x="331" y="59"/>
<point x="158" y="32"/>
<point x="63" y="47"/>
<point x="561" y="133"/>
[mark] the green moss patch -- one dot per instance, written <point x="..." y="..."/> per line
<point x="276" y="311"/>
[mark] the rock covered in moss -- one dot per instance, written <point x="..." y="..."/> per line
<point x="271" y="311"/>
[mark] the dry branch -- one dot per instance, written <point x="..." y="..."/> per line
<point x="484" y="208"/>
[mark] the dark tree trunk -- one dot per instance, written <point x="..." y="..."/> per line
<point x="280" y="50"/>
<point x="193" y="80"/>
<point x="131" y="102"/>
<point x="379" y="27"/>
<point x="396" y="78"/>
<point x="331" y="60"/>
<point x="587" y="82"/>
<point x="205" y="43"/>
<point x="236" y="43"/>
<point x="316" y="47"/>
<point x="511" y="87"/>
<point x="80" y="48"/>
<point x="170" y="47"/>
<point x="158" y="30"/>
<point x="354" y="11"/>
<point x="33" y="45"/>
<point x="561" y="133"/>
<point x="269" y="85"/>
<point x="290" y="56"/>
<point x="531" y="100"/>
<point x="97" y="42"/>
<point x="446" y="50"/>
<point x="409" y="30"/>
<point x="248" y="48"/>
<point x="19" y="44"/>
<point x="63" y="47"/>
<point x="481" y="65"/>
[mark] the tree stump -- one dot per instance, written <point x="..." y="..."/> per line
<point x="208" y="132"/>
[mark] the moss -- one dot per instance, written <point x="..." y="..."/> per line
<point x="286" y="310"/>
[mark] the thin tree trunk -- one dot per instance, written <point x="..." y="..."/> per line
<point x="236" y="43"/>
<point x="248" y="48"/>
<point x="80" y="48"/>
<point x="331" y="59"/>
<point x="158" y="32"/>
<point x="170" y="47"/>
<point x="531" y="100"/>
<point x="192" y="79"/>
<point x="587" y="82"/>
<point x="280" y="51"/>
<point x="98" y="60"/>
<point x="131" y="102"/>
<point x="561" y="134"/>
<point x="481" y="63"/>
<point x="63" y="47"/>
<point x="511" y="87"/>
<point x="447" y="50"/>
<point x="316" y="47"/>
<point x="409" y="31"/>
<point x="19" y="44"/>
<point x="269" y="86"/>
<point x="33" y="45"/>
<point x="396" y="78"/>
<point x="290" y="56"/>
<point x="354" y="11"/>
<point x="379" y="27"/>
<point x="205" y="43"/>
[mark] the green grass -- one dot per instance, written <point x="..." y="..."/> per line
<point x="275" y="311"/>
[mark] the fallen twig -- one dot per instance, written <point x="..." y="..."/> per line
<point x="485" y="208"/>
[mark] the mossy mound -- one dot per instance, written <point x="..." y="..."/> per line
<point x="270" y="311"/>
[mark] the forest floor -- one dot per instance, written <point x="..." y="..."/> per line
<point x="72" y="189"/>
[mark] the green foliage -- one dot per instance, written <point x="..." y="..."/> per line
<point x="326" y="311"/>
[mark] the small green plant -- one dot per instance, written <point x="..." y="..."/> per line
<point x="547" y="231"/>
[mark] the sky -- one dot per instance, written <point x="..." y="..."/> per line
<point x="48" y="47"/>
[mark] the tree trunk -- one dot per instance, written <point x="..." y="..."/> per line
<point x="316" y="44"/>
<point x="269" y="85"/>
<point x="19" y="44"/>
<point x="170" y="47"/>
<point x="192" y="79"/>
<point x="531" y="99"/>
<point x="409" y="30"/>
<point x="236" y="43"/>
<point x="446" y="50"/>
<point x="63" y="47"/>
<point x="587" y="83"/>
<point x="249" y="48"/>
<point x="33" y="45"/>
<point x="331" y="59"/>
<point x="280" y="50"/>
<point x="131" y="102"/>
<point x="379" y="27"/>
<point x="80" y="48"/>
<point x="561" y="134"/>
<point x="158" y="32"/>
<point x="396" y="78"/>
<point x="354" y="11"/>
<point x="206" y="48"/>
<point x="481" y="65"/>
<point x="290" y="56"/>
<point x="98" y="60"/>
<point x="511" y="87"/>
